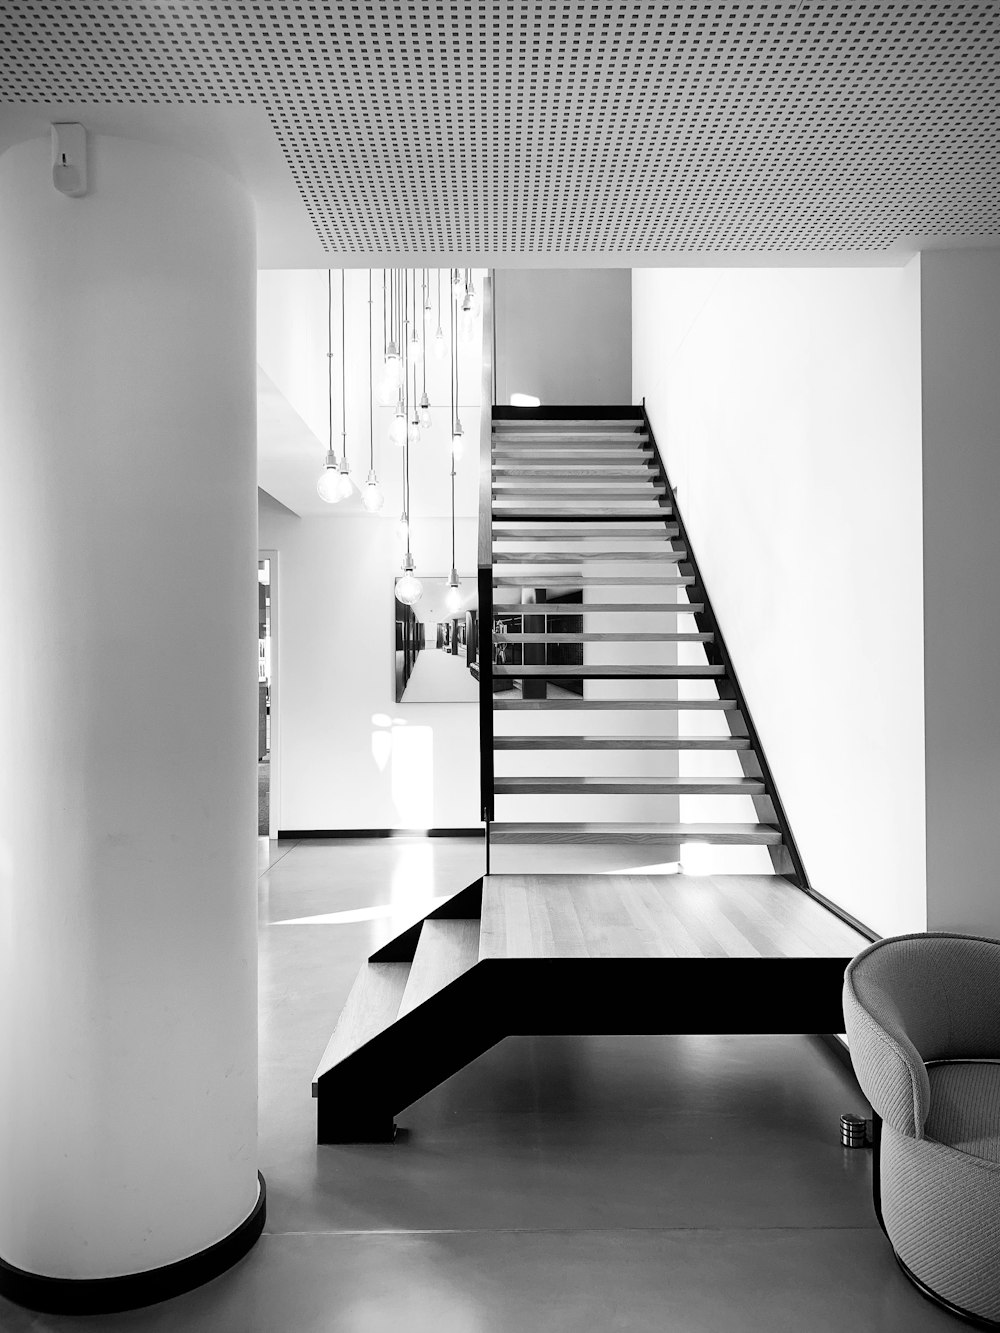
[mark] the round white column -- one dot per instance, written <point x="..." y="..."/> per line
<point x="128" y="1024"/>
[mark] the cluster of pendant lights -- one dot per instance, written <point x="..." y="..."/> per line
<point x="407" y="306"/>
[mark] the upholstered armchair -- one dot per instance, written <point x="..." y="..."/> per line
<point x="923" y="1022"/>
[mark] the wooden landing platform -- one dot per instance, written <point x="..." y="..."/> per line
<point x="600" y="954"/>
<point x="607" y="954"/>
<point x="657" y="916"/>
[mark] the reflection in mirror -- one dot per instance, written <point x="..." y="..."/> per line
<point x="538" y="627"/>
<point x="436" y="647"/>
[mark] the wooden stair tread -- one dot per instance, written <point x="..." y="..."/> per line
<point x="630" y="448"/>
<point x="575" y="488"/>
<point x="628" y="786"/>
<point x="580" y="435"/>
<point x="613" y="514"/>
<point x="582" y="442"/>
<point x="600" y="608"/>
<point x="605" y="534"/>
<point x="506" y="831"/>
<point x="371" y="1007"/>
<point x="530" y="460"/>
<point x="628" y="498"/>
<point x="445" y="950"/>
<point x="556" y="637"/>
<point x="657" y="916"/>
<point x="586" y="557"/>
<point x="611" y="671"/>
<point x="595" y="471"/>
<point x="573" y="433"/>
<point x="621" y="743"/>
<point x="502" y="705"/>
<point x="563" y="580"/>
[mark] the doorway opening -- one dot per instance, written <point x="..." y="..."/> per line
<point x="265" y="567"/>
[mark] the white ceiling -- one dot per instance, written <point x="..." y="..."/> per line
<point x="547" y="131"/>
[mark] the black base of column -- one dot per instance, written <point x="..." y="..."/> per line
<point x="104" y="1295"/>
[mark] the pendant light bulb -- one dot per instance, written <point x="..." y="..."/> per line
<point x="467" y="318"/>
<point x="440" y="349"/>
<point x="392" y="375"/>
<point x="457" y="440"/>
<point x="457" y="284"/>
<point x="403" y="530"/>
<point x="424" y="415"/>
<point x="414" y="348"/>
<point x="345" y="482"/>
<point x="371" y="494"/>
<point x="413" y="432"/>
<point x="467" y="328"/>
<point x="328" y="483"/>
<point x="453" y="597"/>
<point x="397" y="429"/>
<point x="409" y="589"/>
<point x="393" y="363"/>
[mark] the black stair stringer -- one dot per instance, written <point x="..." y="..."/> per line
<point x="571" y="412"/>
<point x="785" y="857"/>
<point x="498" y="998"/>
<point x="357" y="1099"/>
<point x="466" y="905"/>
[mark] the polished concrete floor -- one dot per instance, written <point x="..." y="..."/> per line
<point x="681" y="1184"/>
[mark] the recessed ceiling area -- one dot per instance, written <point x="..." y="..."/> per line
<point x="615" y="131"/>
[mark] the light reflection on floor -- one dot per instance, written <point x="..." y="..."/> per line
<point x="557" y="1185"/>
<point x="407" y="913"/>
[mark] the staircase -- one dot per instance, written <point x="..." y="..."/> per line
<point x="555" y="954"/>
<point x="589" y="559"/>
<point x="603" y="674"/>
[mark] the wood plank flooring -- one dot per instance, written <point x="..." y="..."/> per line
<point x="371" y="1007"/>
<point x="446" y="949"/>
<point x="657" y="916"/>
<point x="632" y="834"/>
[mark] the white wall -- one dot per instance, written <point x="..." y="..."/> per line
<point x="786" y="403"/>
<point x="563" y="335"/>
<point x="351" y="757"/>
<point x="960" y="316"/>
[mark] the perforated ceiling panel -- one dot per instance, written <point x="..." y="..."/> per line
<point x="625" y="127"/>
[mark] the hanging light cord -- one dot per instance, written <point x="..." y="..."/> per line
<point x="454" y="342"/>
<point x="401" y="333"/>
<point x="343" y="361"/>
<point x="329" y="351"/>
<point x="406" y="437"/>
<point x="371" y="398"/>
<point x="414" y="359"/>
<point x="454" y="415"/>
<point x="423" y="325"/>
<point x="453" y="508"/>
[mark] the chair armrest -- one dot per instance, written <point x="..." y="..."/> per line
<point x="888" y="1067"/>
<point x="913" y="998"/>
